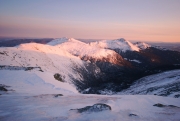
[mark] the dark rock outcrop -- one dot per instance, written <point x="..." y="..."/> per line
<point x="162" y="105"/>
<point x="58" y="77"/>
<point x="131" y="115"/>
<point x="57" y="95"/>
<point x="95" y="108"/>
<point x="3" y="87"/>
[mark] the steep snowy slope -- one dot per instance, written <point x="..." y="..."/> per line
<point x="38" y="55"/>
<point x="121" y="44"/>
<point x="49" y="59"/>
<point x="162" y="84"/>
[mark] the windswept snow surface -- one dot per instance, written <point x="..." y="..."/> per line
<point x="47" y="107"/>
<point x="163" y="84"/>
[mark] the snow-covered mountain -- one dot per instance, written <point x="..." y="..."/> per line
<point x="50" y="59"/>
<point x="87" y="51"/>
<point x="91" y="67"/>
<point x="39" y="55"/>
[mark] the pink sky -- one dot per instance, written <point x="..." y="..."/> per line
<point x="142" y="23"/>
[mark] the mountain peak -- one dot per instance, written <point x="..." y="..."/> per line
<point x="142" y="45"/>
<point x="120" y="44"/>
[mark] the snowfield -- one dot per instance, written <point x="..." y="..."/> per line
<point x="126" y="108"/>
<point x="34" y="82"/>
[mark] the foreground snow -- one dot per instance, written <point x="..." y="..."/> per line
<point x="46" y="107"/>
<point x="32" y="97"/>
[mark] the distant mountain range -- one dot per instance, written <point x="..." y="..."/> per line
<point x="93" y="67"/>
<point x="10" y="42"/>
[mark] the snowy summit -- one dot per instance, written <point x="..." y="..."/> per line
<point x="121" y="44"/>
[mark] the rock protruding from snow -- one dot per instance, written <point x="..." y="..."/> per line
<point x="3" y="87"/>
<point x="121" y="44"/>
<point x="162" y="106"/>
<point x="142" y="45"/>
<point x="95" y="108"/>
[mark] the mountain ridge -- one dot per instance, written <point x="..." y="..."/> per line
<point x="88" y="66"/>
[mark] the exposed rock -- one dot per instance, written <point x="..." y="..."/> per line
<point x="132" y="115"/>
<point x="95" y="108"/>
<point x="2" y="53"/>
<point x="28" y="68"/>
<point x="58" y="77"/>
<point x="161" y="105"/>
<point x="57" y="95"/>
<point x="47" y="95"/>
<point x="3" y="88"/>
<point x="177" y="96"/>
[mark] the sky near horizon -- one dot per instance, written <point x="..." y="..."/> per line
<point x="142" y="20"/>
